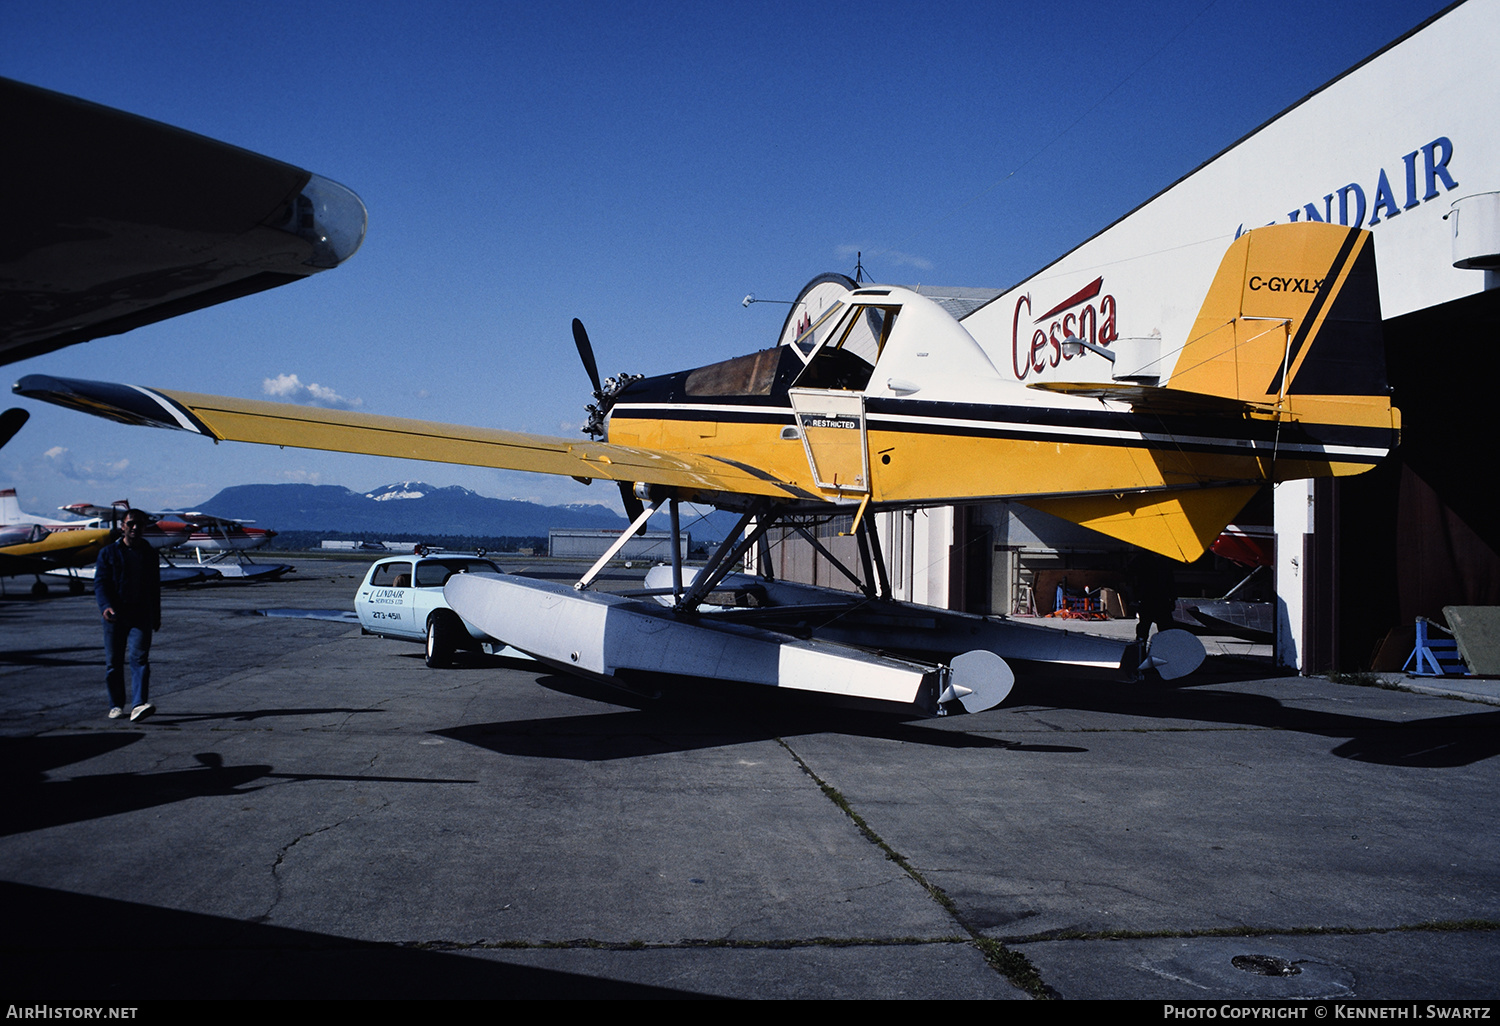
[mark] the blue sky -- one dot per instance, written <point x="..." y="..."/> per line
<point x="639" y="166"/>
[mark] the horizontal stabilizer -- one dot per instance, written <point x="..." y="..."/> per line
<point x="1180" y="525"/>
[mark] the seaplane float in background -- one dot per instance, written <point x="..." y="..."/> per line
<point x="878" y="400"/>
<point x="221" y="546"/>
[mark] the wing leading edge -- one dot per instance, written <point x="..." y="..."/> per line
<point x="249" y="420"/>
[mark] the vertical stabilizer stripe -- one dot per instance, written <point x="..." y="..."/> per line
<point x="1331" y="285"/>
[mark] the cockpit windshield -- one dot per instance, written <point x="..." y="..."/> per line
<point x="809" y="338"/>
<point x="848" y="353"/>
<point x="21" y="534"/>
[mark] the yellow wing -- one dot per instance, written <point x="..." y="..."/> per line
<point x="248" y="420"/>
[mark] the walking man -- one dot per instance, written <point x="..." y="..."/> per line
<point x="127" y="586"/>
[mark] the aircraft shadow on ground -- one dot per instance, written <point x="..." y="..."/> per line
<point x="76" y="948"/>
<point x="35" y="802"/>
<point x="676" y="720"/>
<point x="175" y="719"/>
<point x="1436" y="742"/>
<point x="713" y="714"/>
<point x="77" y="655"/>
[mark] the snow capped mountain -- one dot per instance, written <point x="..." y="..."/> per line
<point x="406" y="490"/>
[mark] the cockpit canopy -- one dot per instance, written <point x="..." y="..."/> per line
<point x="840" y="349"/>
<point x="915" y="343"/>
<point x="22" y="534"/>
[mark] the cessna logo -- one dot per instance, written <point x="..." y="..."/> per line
<point x="1257" y="283"/>
<point x="1085" y="314"/>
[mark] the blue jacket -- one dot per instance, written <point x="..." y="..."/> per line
<point x="129" y="586"/>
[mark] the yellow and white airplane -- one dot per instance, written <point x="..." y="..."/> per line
<point x="886" y="401"/>
<point x="883" y="400"/>
<point x="34" y="549"/>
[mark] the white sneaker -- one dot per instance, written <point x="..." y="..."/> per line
<point x="115" y="712"/>
<point x="141" y="711"/>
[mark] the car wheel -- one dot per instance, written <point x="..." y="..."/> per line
<point x="441" y="642"/>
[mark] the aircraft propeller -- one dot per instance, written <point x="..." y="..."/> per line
<point x="586" y="352"/>
<point x="10" y="422"/>
<point x="633" y="506"/>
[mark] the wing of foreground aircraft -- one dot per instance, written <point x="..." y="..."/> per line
<point x="114" y="221"/>
<point x="249" y="420"/>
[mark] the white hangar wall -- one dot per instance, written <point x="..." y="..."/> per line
<point x="1389" y="145"/>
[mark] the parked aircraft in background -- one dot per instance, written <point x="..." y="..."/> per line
<point x="11" y="513"/>
<point x="160" y="533"/>
<point x="220" y="544"/>
<point x="36" y="549"/>
<point x="1245" y="610"/>
<point x="221" y="534"/>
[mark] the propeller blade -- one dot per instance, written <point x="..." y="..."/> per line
<point x="634" y="507"/>
<point x="586" y="351"/>
<point x="10" y="422"/>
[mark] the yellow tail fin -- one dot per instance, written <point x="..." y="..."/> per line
<point x="1294" y="310"/>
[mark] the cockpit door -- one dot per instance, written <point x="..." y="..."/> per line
<point x="832" y="425"/>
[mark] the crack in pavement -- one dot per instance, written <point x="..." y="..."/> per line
<point x="1013" y="965"/>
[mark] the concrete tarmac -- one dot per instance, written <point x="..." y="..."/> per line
<point x="314" y="813"/>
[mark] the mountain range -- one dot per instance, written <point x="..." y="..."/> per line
<point x="403" y="508"/>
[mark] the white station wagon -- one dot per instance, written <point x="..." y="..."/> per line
<point x="403" y="598"/>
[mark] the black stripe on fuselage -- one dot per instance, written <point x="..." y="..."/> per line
<point x="1029" y="423"/>
<point x="1313" y="310"/>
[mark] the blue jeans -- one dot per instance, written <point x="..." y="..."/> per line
<point x="127" y="641"/>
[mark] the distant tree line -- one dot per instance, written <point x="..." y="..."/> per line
<point x="306" y="541"/>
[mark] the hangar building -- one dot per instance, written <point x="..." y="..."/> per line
<point x="1406" y="144"/>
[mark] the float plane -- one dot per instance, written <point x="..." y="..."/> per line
<point x="220" y="546"/>
<point x="160" y="533"/>
<point x="886" y="402"/>
<point x="880" y="399"/>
